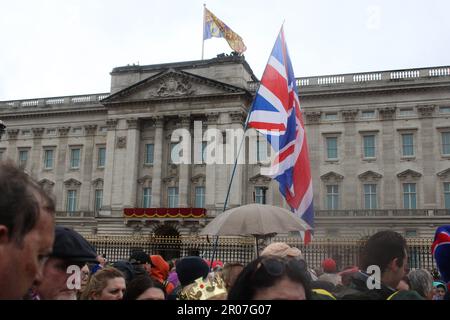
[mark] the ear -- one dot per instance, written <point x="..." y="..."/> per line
<point x="4" y="235"/>
<point x="393" y="265"/>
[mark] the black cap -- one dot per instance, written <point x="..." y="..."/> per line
<point x="70" y="245"/>
<point x="190" y="269"/>
<point x="139" y="257"/>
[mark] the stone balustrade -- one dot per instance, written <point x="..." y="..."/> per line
<point x="54" y="101"/>
<point x="374" y="77"/>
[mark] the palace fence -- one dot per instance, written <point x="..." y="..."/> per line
<point x="345" y="252"/>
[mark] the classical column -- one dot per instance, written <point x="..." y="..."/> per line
<point x="238" y="187"/>
<point x="109" y="167"/>
<point x="349" y="162"/>
<point x="157" y="161"/>
<point x="11" y="150"/>
<point x="389" y="159"/>
<point x="86" y="196"/>
<point x="183" y="182"/>
<point x="36" y="152"/>
<point x="61" y="168"/>
<point x="427" y="136"/>
<point x="210" y="190"/>
<point x="132" y="162"/>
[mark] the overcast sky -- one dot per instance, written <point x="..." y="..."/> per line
<point x="68" y="47"/>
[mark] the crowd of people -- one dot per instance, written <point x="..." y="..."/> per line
<point x="41" y="261"/>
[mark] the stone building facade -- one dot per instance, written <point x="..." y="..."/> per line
<point x="379" y="147"/>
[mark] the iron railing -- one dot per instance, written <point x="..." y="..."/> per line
<point x="346" y="252"/>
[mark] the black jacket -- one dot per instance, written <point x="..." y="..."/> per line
<point x="358" y="290"/>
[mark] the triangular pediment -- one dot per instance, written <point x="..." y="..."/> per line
<point x="46" y="182"/>
<point x="172" y="84"/>
<point x="370" y="175"/>
<point x="259" y="178"/>
<point x="409" y="174"/>
<point x="72" y="183"/>
<point x="332" y="176"/>
<point x="444" y="173"/>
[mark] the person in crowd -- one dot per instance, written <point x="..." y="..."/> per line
<point x="144" y="288"/>
<point x="85" y="274"/>
<point x="330" y="272"/>
<point x="230" y="273"/>
<point x="282" y="249"/>
<point x="272" y="278"/>
<point x="141" y="262"/>
<point x="70" y="253"/>
<point x="173" y="276"/>
<point x="188" y="270"/>
<point x="441" y="253"/>
<point x="421" y="281"/>
<point x="439" y="290"/>
<point x="106" y="284"/>
<point x="386" y="250"/>
<point x="404" y="284"/>
<point x="160" y="272"/>
<point x="26" y="231"/>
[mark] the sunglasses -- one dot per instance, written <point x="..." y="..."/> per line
<point x="276" y="267"/>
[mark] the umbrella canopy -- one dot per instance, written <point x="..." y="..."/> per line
<point x="256" y="220"/>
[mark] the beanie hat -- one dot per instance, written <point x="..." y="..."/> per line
<point x="191" y="268"/>
<point x="329" y="265"/>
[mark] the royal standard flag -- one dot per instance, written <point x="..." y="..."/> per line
<point x="214" y="27"/>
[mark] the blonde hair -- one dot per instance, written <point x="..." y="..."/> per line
<point x="99" y="280"/>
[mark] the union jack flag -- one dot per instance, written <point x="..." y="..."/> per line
<point x="276" y="114"/>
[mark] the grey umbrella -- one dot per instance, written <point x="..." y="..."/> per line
<point x="254" y="219"/>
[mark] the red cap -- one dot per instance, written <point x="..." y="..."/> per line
<point x="329" y="265"/>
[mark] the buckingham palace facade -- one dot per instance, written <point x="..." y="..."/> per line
<point x="379" y="146"/>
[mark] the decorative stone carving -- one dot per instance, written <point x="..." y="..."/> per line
<point x="72" y="183"/>
<point x="349" y="115"/>
<point x="426" y="111"/>
<point x="111" y="124"/>
<point x="444" y="174"/>
<point x="121" y="142"/>
<point x="158" y="121"/>
<point x="133" y="123"/>
<point x="313" y="116"/>
<point x="184" y="121"/>
<point x="387" y="113"/>
<point x="370" y="176"/>
<point x="145" y="179"/>
<point x="259" y="179"/>
<point x="332" y="176"/>
<point x="47" y="185"/>
<point x="12" y="133"/>
<point x="174" y="86"/>
<point x="98" y="183"/>
<point x="198" y="179"/>
<point x="38" y="132"/>
<point x="90" y="129"/>
<point x="63" y="131"/>
<point x="212" y="118"/>
<point x="409" y="174"/>
<point x="237" y="117"/>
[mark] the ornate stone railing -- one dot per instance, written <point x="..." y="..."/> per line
<point x="383" y="213"/>
<point x="66" y="101"/>
<point x="75" y="214"/>
<point x="371" y="77"/>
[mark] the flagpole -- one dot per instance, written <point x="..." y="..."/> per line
<point x="203" y="31"/>
<point x="216" y="242"/>
<point x="235" y="161"/>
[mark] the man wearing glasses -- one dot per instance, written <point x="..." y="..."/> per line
<point x="70" y="253"/>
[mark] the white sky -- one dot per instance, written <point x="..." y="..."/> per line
<point x="67" y="47"/>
